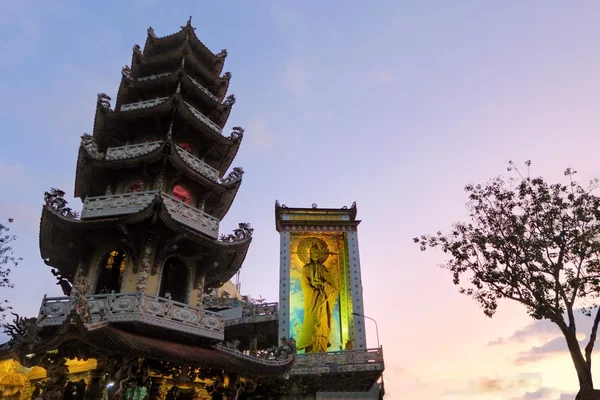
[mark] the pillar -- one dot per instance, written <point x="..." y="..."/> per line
<point x="95" y="389"/>
<point x="253" y="344"/>
<point x="158" y="390"/>
<point x="146" y="262"/>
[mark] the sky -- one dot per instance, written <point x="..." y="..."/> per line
<point x="393" y="104"/>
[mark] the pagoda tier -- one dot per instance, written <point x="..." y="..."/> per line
<point x="157" y="45"/>
<point x="161" y="118"/>
<point x="128" y="166"/>
<point x="127" y="223"/>
<point x="166" y="84"/>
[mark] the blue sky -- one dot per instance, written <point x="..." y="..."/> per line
<point x="393" y="104"/>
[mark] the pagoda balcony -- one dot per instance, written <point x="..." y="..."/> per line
<point x="131" y="151"/>
<point x="153" y="77"/>
<point x="139" y="309"/>
<point x="339" y="362"/>
<point x="204" y="119"/>
<point x="129" y="203"/>
<point x="250" y="313"/>
<point x="203" y="89"/>
<point x="117" y="204"/>
<point x="143" y="104"/>
<point x="198" y="165"/>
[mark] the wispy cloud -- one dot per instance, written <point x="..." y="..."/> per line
<point x="487" y="385"/>
<point x="294" y="76"/>
<point x="258" y="133"/>
<point x="12" y="174"/>
<point x="382" y="77"/>
<point x="546" y="393"/>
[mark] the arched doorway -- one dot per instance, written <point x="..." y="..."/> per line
<point x="174" y="280"/>
<point x="112" y="269"/>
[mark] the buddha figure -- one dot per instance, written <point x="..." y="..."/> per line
<point x="320" y="293"/>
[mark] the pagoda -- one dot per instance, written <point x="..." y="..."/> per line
<point x="149" y="310"/>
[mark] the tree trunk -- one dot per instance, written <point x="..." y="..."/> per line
<point x="584" y="374"/>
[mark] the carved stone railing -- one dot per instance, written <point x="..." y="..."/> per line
<point x="340" y="361"/>
<point x="152" y="77"/>
<point x="198" y="165"/>
<point x="251" y="313"/>
<point x="204" y="119"/>
<point x="132" y="150"/>
<point x="118" y="204"/>
<point x="137" y="308"/>
<point x="252" y="358"/>
<point x="191" y="217"/>
<point x="143" y="104"/>
<point x="203" y="89"/>
<point x="258" y="310"/>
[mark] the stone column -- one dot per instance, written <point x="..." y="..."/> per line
<point x="253" y="344"/>
<point x="158" y="390"/>
<point x="200" y="282"/>
<point x="27" y="391"/>
<point x="95" y="389"/>
<point x="56" y="371"/>
<point x="160" y="181"/>
<point x="146" y="262"/>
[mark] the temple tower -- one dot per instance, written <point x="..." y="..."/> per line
<point x="320" y="293"/>
<point x="152" y="181"/>
<point x="321" y="302"/>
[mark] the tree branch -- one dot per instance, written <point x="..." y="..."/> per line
<point x="590" y="345"/>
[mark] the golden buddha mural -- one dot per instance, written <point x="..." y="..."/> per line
<point x="314" y="311"/>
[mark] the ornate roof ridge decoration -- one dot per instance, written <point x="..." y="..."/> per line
<point x="104" y="101"/>
<point x="240" y="234"/>
<point x="91" y="148"/>
<point x="54" y="200"/>
<point x="237" y="134"/>
<point x="234" y="177"/>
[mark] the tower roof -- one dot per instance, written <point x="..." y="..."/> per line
<point x="288" y="217"/>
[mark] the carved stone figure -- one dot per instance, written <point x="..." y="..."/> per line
<point x="230" y="100"/>
<point x="104" y="100"/>
<point x="320" y="293"/>
<point x="237" y="134"/>
<point x="233" y="177"/>
<point x="243" y="232"/>
<point x="55" y="200"/>
<point x="126" y="72"/>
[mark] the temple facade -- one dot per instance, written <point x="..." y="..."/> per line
<point x="149" y="310"/>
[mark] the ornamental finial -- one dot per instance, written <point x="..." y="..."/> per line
<point x="151" y="32"/>
<point x="189" y="22"/>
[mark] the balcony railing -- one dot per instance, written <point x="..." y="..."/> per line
<point x="128" y="203"/>
<point x="137" y="308"/>
<point x="132" y="150"/>
<point x="340" y="361"/>
<point x="117" y="204"/>
<point x="152" y="77"/>
<point x="192" y="217"/>
<point x="143" y="104"/>
<point x="203" y="89"/>
<point x="251" y="313"/>
<point x="204" y="119"/>
<point x="198" y="165"/>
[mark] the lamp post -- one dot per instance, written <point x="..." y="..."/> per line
<point x="376" y="328"/>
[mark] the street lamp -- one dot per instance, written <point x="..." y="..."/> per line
<point x="376" y="328"/>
